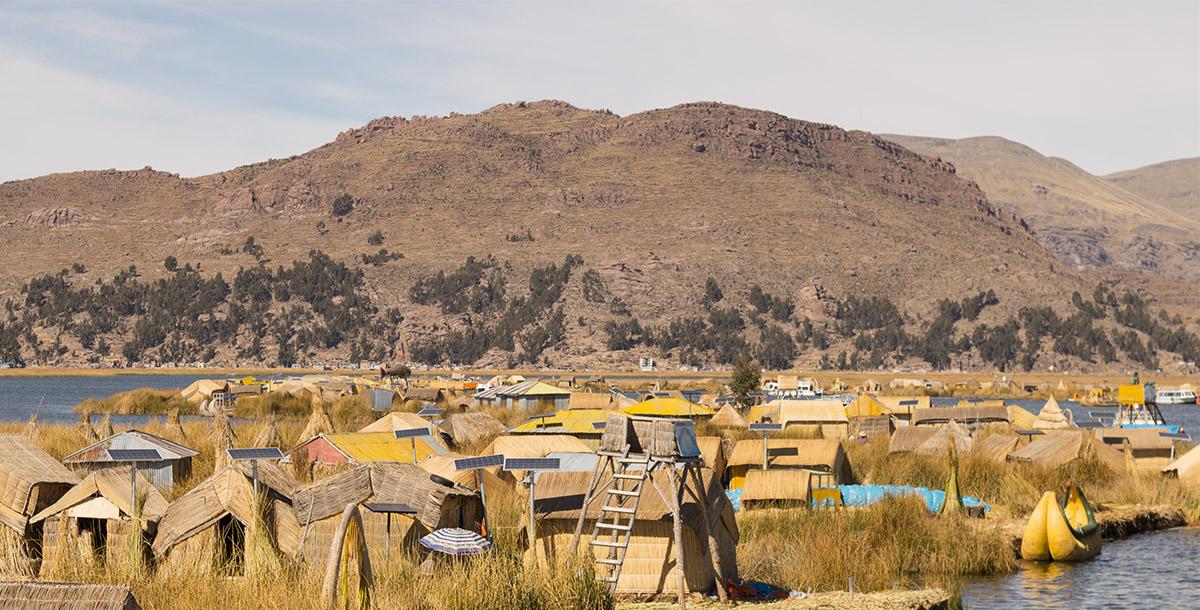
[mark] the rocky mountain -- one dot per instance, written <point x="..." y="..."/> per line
<point x="635" y="213"/>
<point x="1172" y="184"/>
<point x="1086" y="221"/>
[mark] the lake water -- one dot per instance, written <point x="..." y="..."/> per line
<point x="52" y="398"/>
<point x="1153" y="570"/>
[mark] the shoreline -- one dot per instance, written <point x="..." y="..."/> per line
<point x="826" y="378"/>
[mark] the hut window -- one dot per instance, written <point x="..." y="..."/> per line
<point x="231" y="545"/>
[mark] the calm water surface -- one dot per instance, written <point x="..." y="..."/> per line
<point x="52" y="398"/>
<point x="1154" y="570"/>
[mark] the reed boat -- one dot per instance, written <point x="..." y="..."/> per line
<point x="1065" y="531"/>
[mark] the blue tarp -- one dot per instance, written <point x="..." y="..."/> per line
<point x="866" y="495"/>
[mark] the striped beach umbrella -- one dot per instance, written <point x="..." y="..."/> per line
<point x="455" y="541"/>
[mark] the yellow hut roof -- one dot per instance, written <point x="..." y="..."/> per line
<point x="667" y="407"/>
<point x="866" y="406"/>
<point x="367" y="447"/>
<point x="571" y="421"/>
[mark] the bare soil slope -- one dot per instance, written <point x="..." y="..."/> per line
<point x="1085" y="220"/>
<point x="1174" y="184"/>
<point x="655" y="201"/>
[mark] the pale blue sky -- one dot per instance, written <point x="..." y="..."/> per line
<point x="196" y="87"/>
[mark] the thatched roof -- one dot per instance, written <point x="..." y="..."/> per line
<point x="812" y="454"/>
<point x="774" y="486"/>
<point x="1051" y="417"/>
<point x="105" y="429"/>
<point x="938" y="442"/>
<point x="442" y="465"/>
<point x="712" y="451"/>
<point x="1186" y="467"/>
<point x="560" y="496"/>
<point x="1020" y="418"/>
<point x="996" y="447"/>
<point x="396" y="420"/>
<point x="803" y="412"/>
<point x="904" y="404"/>
<point x="1058" y="447"/>
<point x="469" y="428"/>
<point x="866" y="406"/>
<point x="593" y="400"/>
<point x="24" y="466"/>
<point x="228" y="492"/>
<point x="728" y="417"/>
<point x="536" y="446"/>
<point x="114" y="485"/>
<point x="384" y="483"/>
<point x="1141" y="440"/>
<point x="962" y="415"/>
<point x="907" y="438"/>
<point x="318" y="421"/>
<point x="65" y="596"/>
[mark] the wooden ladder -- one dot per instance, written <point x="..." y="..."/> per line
<point x="618" y="512"/>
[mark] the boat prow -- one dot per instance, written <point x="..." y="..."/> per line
<point x="1065" y="531"/>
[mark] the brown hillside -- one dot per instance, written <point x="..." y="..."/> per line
<point x="655" y="201"/>
<point x="1174" y="184"/>
<point x="1085" y="220"/>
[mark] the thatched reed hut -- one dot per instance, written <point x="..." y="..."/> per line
<point x="466" y="429"/>
<point x="1186" y="467"/>
<point x="728" y="417"/>
<point x="906" y="439"/>
<point x="430" y="505"/>
<point x="650" y="565"/>
<point x="996" y="447"/>
<point x="970" y="416"/>
<point x="939" y="442"/>
<point x="395" y="420"/>
<point x="1148" y="448"/>
<point x="902" y="407"/>
<point x="214" y="526"/>
<point x="99" y="512"/>
<point x="791" y="463"/>
<point x="1060" y="447"/>
<point x="811" y="418"/>
<point x="712" y="451"/>
<point x="866" y="405"/>
<point x="30" y="481"/>
<point x="175" y="463"/>
<point x="65" y="596"/>
<point x="1052" y="417"/>
<point x="442" y="465"/>
<point x="605" y="401"/>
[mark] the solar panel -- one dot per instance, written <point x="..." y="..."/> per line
<point x="1099" y="414"/>
<point x="908" y="403"/>
<point x="1089" y="425"/>
<point x="380" y="507"/>
<point x="541" y="416"/>
<point x="255" y="453"/>
<point x="1176" y="435"/>
<point x="531" y="464"/>
<point x="766" y="427"/>
<point x="412" y="432"/>
<point x="134" y="455"/>
<point x="600" y="425"/>
<point x="475" y="463"/>
<point x="1029" y="432"/>
<point x="430" y="412"/>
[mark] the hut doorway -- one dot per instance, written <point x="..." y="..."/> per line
<point x="96" y="533"/>
<point x="231" y="546"/>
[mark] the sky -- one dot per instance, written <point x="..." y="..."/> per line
<point x="198" y="87"/>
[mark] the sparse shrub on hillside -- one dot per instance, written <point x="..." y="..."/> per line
<point x="376" y="238"/>
<point x="342" y="205"/>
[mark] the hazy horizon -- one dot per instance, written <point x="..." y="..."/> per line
<point x="198" y="89"/>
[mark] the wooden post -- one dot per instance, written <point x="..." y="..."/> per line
<point x="713" y="551"/>
<point x="678" y="527"/>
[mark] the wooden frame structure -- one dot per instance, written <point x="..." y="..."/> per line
<point x="631" y="450"/>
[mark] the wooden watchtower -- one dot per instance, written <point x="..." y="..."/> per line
<point x="631" y="450"/>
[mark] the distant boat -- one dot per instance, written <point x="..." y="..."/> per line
<point x="1175" y="396"/>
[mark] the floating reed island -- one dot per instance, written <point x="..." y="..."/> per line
<point x="580" y="495"/>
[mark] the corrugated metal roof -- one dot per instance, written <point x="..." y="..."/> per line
<point x="668" y="407"/>
<point x="129" y="439"/>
